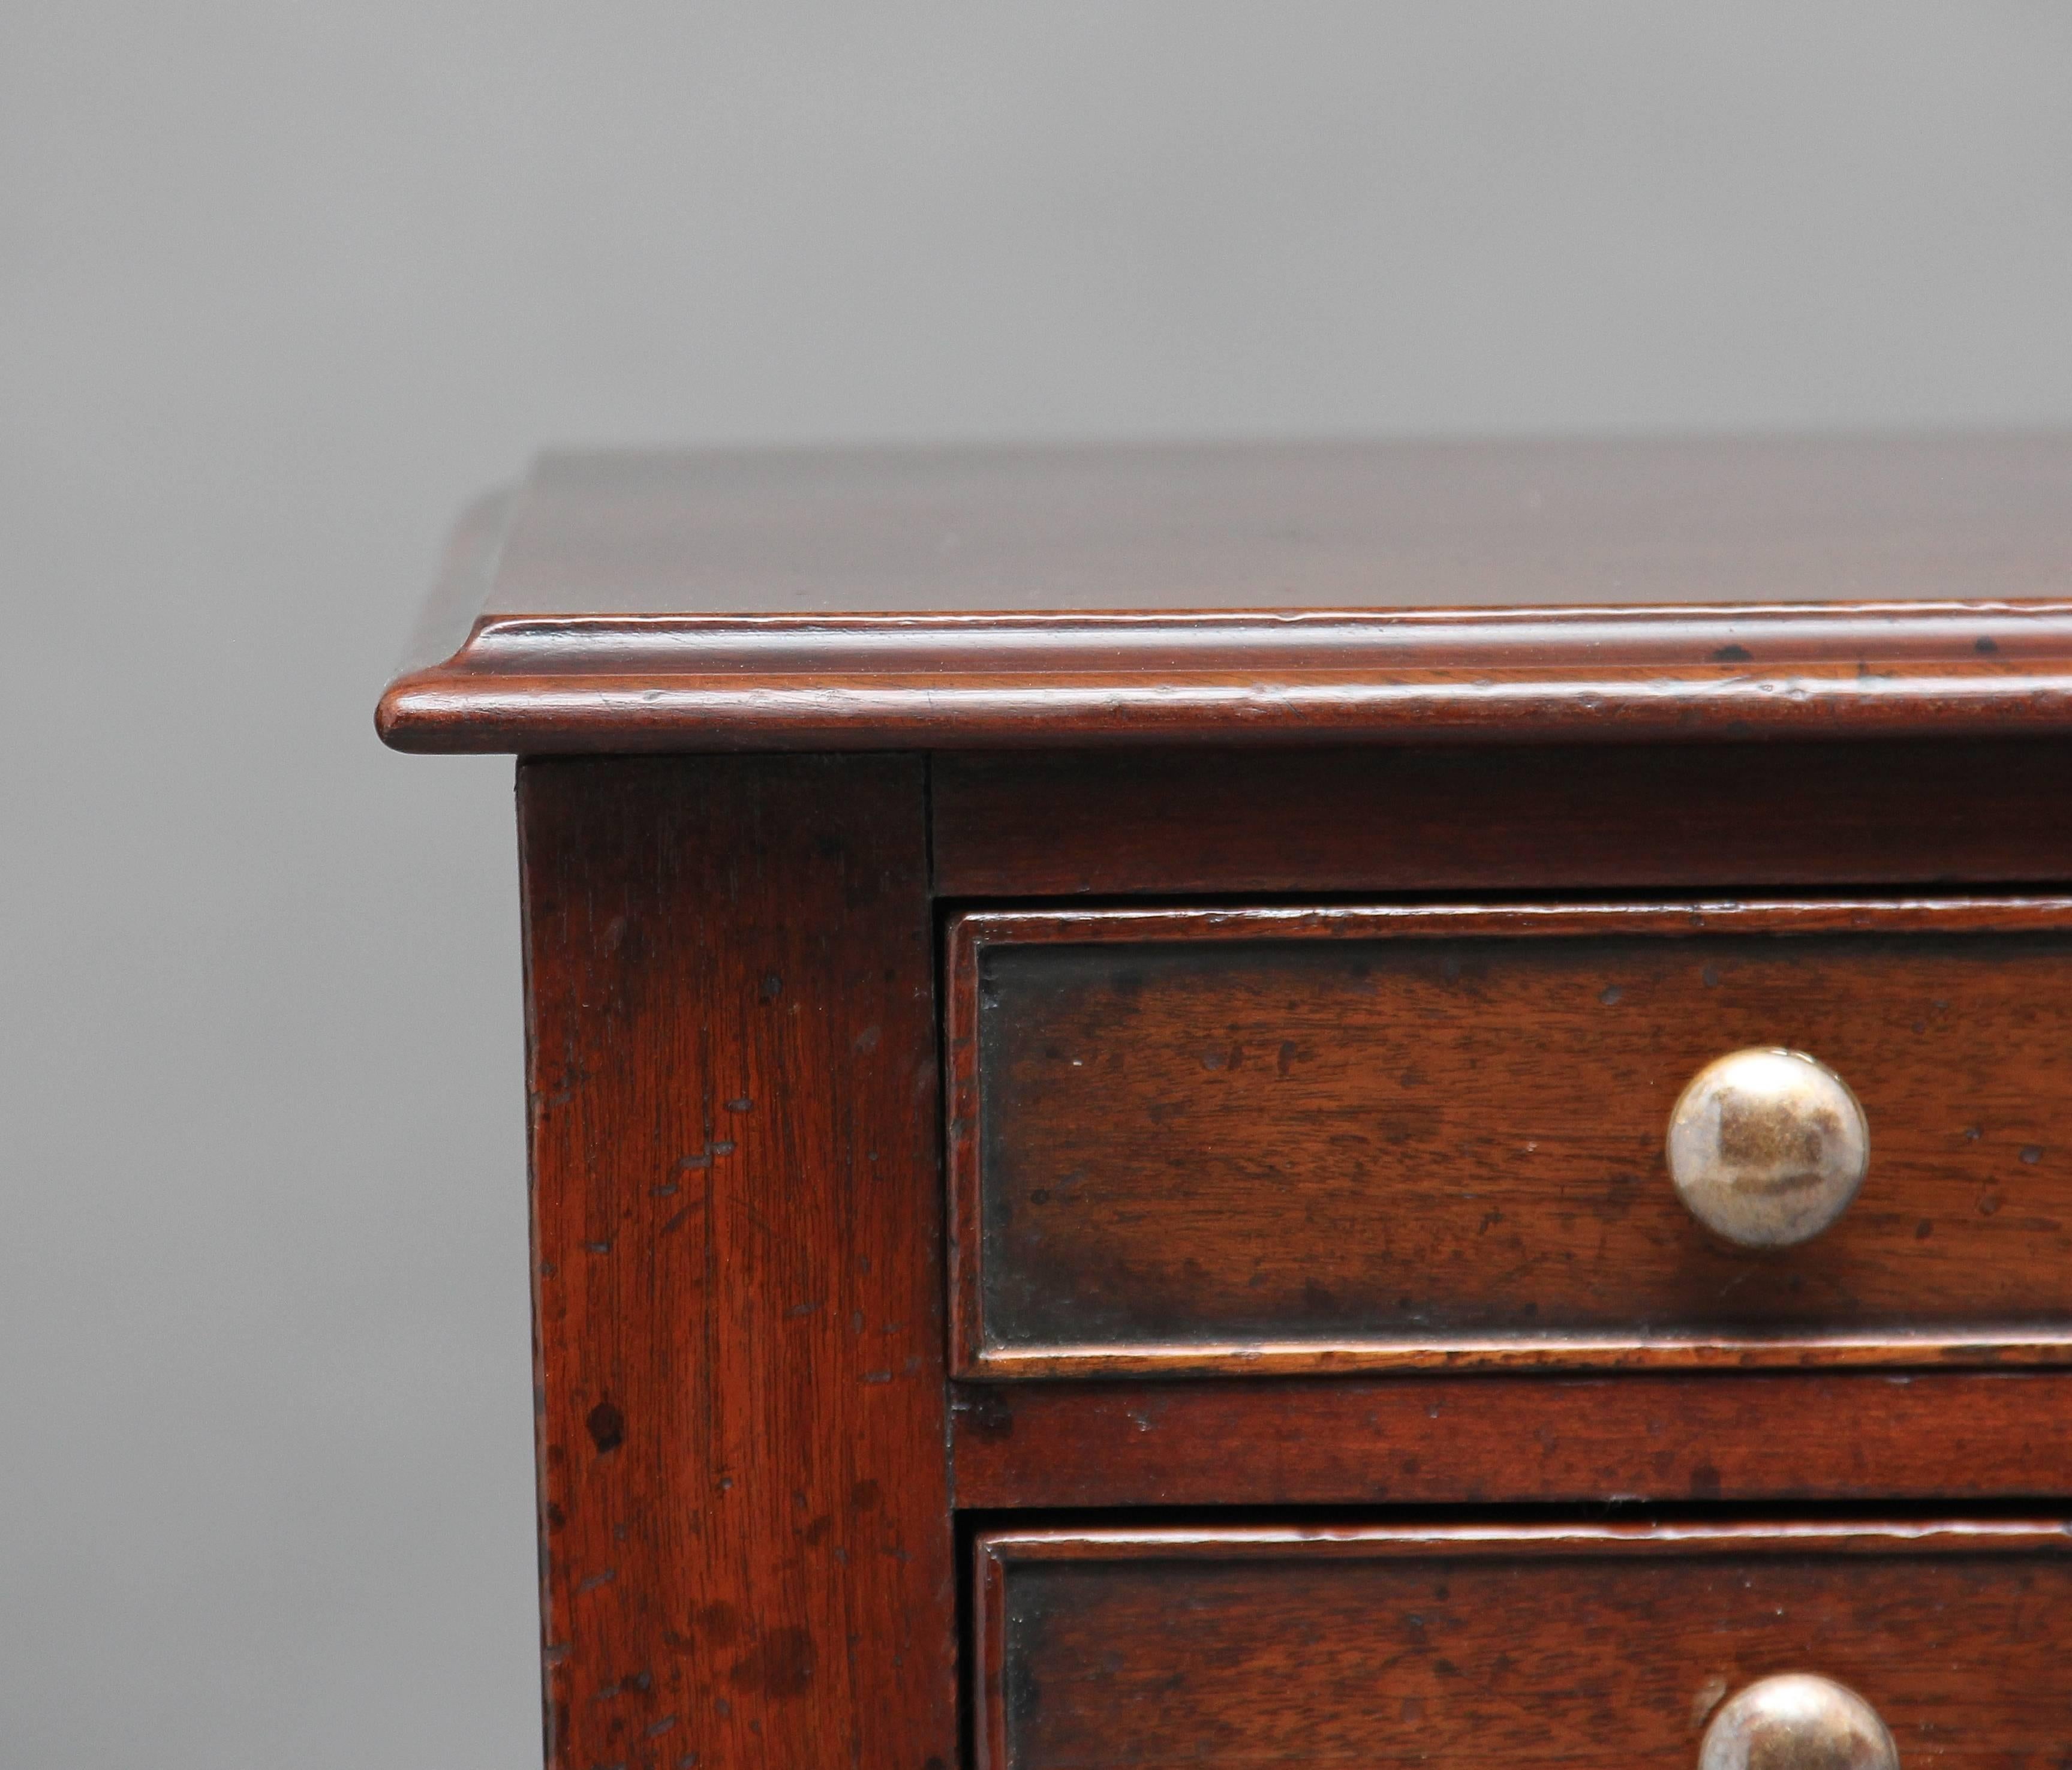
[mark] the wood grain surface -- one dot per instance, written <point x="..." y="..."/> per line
<point x="1315" y="1150"/>
<point x="747" y="1554"/>
<point x="1345" y="1139"/>
<point x="1241" y="822"/>
<point x="1512" y="1646"/>
<point x="1309" y="593"/>
<point x="1731" y="1437"/>
<point x="582" y="686"/>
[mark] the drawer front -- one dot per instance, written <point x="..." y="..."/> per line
<point x="1343" y="1139"/>
<point x="1518" y="1647"/>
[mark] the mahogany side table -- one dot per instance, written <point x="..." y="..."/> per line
<point x="1335" y="1104"/>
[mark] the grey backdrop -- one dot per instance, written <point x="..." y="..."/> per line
<point x="281" y="283"/>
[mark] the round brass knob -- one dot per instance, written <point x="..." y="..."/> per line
<point x="1767" y="1147"/>
<point x="1797" y="1722"/>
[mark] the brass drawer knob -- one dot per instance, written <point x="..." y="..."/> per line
<point x="1767" y="1147"/>
<point x="1797" y="1722"/>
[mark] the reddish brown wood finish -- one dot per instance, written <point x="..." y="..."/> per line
<point x="1317" y="593"/>
<point x="1005" y="681"/>
<point x="1537" y="1440"/>
<point x="747" y="1554"/>
<point x="1526" y="1649"/>
<point x="1339" y="1138"/>
<point x="745" y="1424"/>
<point x="1241" y="822"/>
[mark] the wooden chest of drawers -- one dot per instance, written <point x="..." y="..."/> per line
<point x="1292" y="1106"/>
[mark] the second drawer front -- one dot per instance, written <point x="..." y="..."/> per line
<point x="1247" y="1141"/>
<point x="1524" y="1648"/>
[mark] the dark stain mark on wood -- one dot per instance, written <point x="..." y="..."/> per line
<point x="607" y="1428"/>
<point x="781" y="1665"/>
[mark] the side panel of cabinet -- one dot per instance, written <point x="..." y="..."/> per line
<point x="747" y="1549"/>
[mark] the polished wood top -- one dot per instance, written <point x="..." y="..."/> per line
<point x="979" y="597"/>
